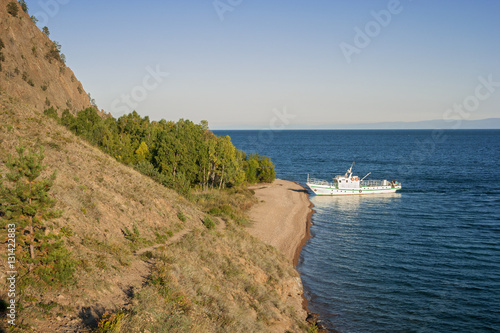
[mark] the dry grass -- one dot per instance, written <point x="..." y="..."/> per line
<point x="229" y="204"/>
<point x="215" y="282"/>
<point x="101" y="200"/>
<point x="218" y="280"/>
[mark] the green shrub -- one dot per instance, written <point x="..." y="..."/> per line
<point x="208" y="222"/>
<point x="147" y="169"/>
<point x="24" y="6"/>
<point x="110" y="322"/>
<point x="51" y="113"/>
<point x="181" y="216"/>
<point x="12" y="8"/>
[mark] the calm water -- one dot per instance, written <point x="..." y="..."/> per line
<point x="424" y="260"/>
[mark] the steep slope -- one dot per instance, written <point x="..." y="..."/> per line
<point x="145" y="261"/>
<point x="198" y="280"/>
<point x="32" y="69"/>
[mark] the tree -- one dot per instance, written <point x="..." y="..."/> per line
<point x="46" y="31"/>
<point x="252" y="168"/>
<point x="24" y="6"/>
<point x="142" y="152"/>
<point x="25" y="203"/>
<point x="227" y="155"/>
<point x="266" y="170"/>
<point x="13" y="8"/>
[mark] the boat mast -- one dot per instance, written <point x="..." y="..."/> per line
<point x="349" y="172"/>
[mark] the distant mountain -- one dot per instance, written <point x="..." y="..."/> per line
<point x="490" y="123"/>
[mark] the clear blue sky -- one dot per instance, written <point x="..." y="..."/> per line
<point x="241" y="64"/>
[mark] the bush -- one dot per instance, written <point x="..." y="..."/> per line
<point x="12" y="8"/>
<point x="110" y="322"/>
<point x="181" y="216"/>
<point x="208" y="222"/>
<point x="147" y="169"/>
<point x="51" y="113"/>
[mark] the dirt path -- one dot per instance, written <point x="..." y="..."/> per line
<point x="174" y="239"/>
<point x="125" y="285"/>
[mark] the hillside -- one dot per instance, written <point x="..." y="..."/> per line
<point x="144" y="259"/>
<point x="31" y="66"/>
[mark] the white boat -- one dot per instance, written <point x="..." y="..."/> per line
<point x="351" y="185"/>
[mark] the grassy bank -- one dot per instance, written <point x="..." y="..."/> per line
<point x="147" y="259"/>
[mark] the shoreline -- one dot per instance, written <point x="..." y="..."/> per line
<point x="282" y="218"/>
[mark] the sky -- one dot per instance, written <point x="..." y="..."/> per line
<point x="242" y="64"/>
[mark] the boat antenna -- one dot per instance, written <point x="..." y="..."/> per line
<point x="365" y="176"/>
<point x="350" y="169"/>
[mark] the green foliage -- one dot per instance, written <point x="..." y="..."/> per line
<point x="133" y="236"/>
<point x="181" y="216"/>
<point x="259" y="169"/>
<point x="54" y="53"/>
<point x="13" y="8"/>
<point x="147" y="169"/>
<point x="110" y="322"/>
<point x="180" y="155"/>
<point x="208" y="222"/>
<point x="46" y="31"/>
<point x="142" y="152"/>
<point x="24" y="6"/>
<point x="51" y="113"/>
<point x="25" y="202"/>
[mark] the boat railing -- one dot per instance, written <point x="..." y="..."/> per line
<point x="317" y="181"/>
<point x="374" y="183"/>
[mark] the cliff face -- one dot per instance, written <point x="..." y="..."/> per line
<point x="31" y="66"/>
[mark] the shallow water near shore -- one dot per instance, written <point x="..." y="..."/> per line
<point x="426" y="259"/>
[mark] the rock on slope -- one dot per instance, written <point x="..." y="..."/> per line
<point x="32" y="70"/>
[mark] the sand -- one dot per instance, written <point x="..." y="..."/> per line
<point x="282" y="216"/>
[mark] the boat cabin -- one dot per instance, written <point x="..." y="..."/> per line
<point x="346" y="182"/>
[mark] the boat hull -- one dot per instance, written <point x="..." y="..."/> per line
<point x="325" y="190"/>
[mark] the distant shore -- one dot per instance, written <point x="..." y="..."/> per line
<point x="282" y="217"/>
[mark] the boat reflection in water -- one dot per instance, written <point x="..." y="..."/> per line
<point x="351" y="204"/>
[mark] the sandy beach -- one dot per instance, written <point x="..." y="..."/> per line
<point x="282" y="216"/>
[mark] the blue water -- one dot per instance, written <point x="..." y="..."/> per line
<point x="423" y="260"/>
